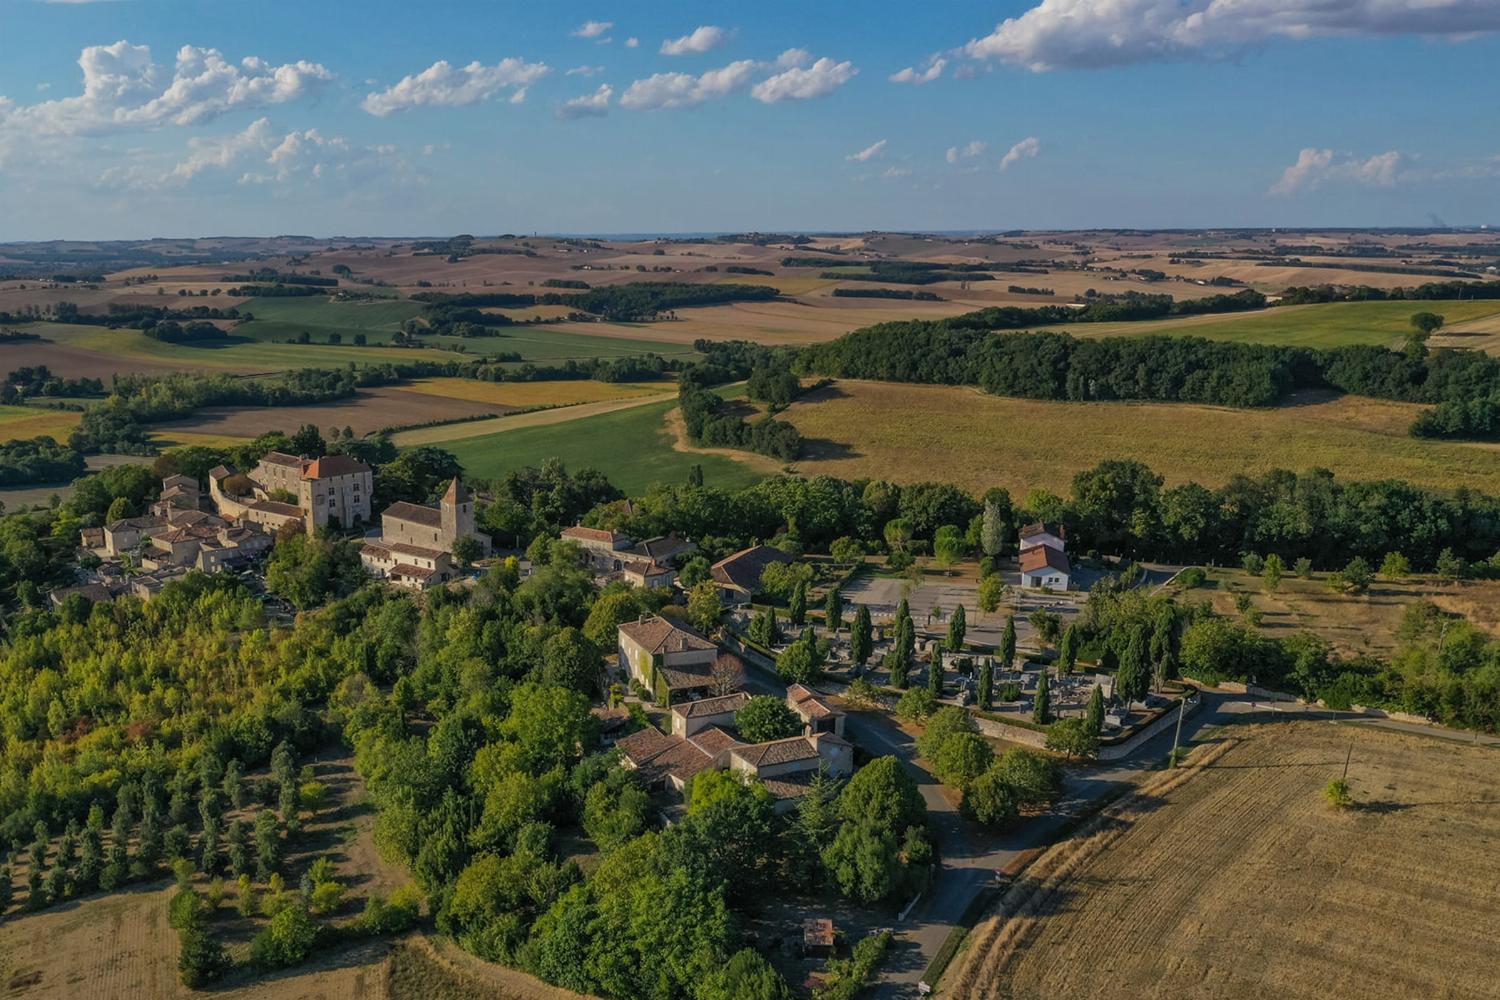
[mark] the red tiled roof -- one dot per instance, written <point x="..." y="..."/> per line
<point x="711" y="706"/>
<point x="333" y="465"/>
<point x="282" y="458"/>
<point x="713" y="740"/>
<point x="415" y="572"/>
<point x="594" y="534"/>
<point x="657" y="635"/>
<point x="1043" y="528"/>
<point x="778" y="751"/>
<point x="1040" y="556"/>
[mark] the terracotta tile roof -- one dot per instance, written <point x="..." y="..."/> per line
<point x="457" y="493"/>
<point x="581" y="533"/>
<point x="743" y="569"/>
<point x="688" y="677"/>
<point x="403" y="549"/>
<point x="711" y="706"/>
<point x="179" y="480"/>
<point x="138" y="523"/>
<point x="663" y="547"/>
<point x="91" y="537"/>
<point x="414" y="512"/>
<point x="778" y="751"/>
<point x="789" y="786"/>
<point x="333" y="465"/>
<point x="1043" y="528"/>
<point x="276" y="507"/>
<point x="281" y="458"/>
<point x="220" y="472"/>
<point x="642" y="746"/>
<point x="809" y="704"/>
<point x="657" y="635"/>
<point x="1040" y="556"/>
<point x="415" y="572"/>
<point x="714" y="740"/>
<point x="643" y="567"/>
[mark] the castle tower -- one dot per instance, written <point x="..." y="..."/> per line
<point x="457" y="512"/>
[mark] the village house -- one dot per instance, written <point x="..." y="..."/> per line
<point x="334" y="490"/>
<point x="738" y="575"/>
<point x="611" y="556"/>
<point x="414" y="547"/>
<point x="816" y="714"/>
<point x="1044" y="557"/>
<point x="673" y="662"/>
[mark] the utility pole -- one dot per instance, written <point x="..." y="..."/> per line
<point x="1347" y="756"/>
<point x="1177" y="737"/>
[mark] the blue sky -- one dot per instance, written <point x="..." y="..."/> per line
<point x="140" y="118"/>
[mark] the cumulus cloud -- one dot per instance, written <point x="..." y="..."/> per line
<point x="973" y="149"/>
<point x="933" y="69"/>
<point x="702" y="39"/>
<point x="263" y="154"/>
<point x="1083" y="34"/>
<point x="870" y="152"/>
<point x="632" y="42"/>
<point x="684" y="90"/>
<point x="589" y="105"/>
<point x="584" y="71"/>
<point x="792" y="58"/>
<point x="1027" y="149"/>
<point x="123" y="88"/>
<point x="592" y="29"/>
<point x="1315" y="167"/>
<point x="800" y="83"/>
<point x="443" y="85"/>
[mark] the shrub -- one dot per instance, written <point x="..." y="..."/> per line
<point x="395" y="915"/>
<point x="287" y="941"/>
<point x="1009" y="691"/>
<point x="1337" y="794"/>
<point x="326" y="897"/>
<point x="1192" y="577"/>
<point x="915" y="705"/>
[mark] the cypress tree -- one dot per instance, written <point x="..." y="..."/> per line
<point x="935" y="675"/>
<point x="986" y="684"/>
<point x="833" y="609"/>
<point x="958" y="627"/>
<point x="1067" y="650"/>
<point x="1008" y="644"/>
<point x="1041" y="711"/>
<point x="860" y="644"/>
<point x="1093" y="716"/>
<point x="797" y="610"/>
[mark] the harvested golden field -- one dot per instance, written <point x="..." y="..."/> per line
<point x="520" y="395"/>
<point x="536" y="418"/>
<point x="910" y="433"/>
<point x="1233" y="879"/>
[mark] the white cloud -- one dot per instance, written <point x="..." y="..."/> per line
<point x="584" y="71"/>
<point x="442" y="85"/>
<point x="1086" y="34"/>
<point x="1315" y="167"/>
<point x="632" y="42"/>
<point x="683" y="90"/>
<point x="799" y="83"/>
<point x="973" y="149"/>
<point x="123" y="88"/>
<point x="592" y="29"/>
<point x="793" y="57"/>
<point x="702" y="39"/>
<point x="871" y="152"/>
<point x="934" y="69"/>
<point x="589" y="105"/>
<point x="1027" y="148"/>
<point x="262" y="154"/>
<point x="895" y="173"/>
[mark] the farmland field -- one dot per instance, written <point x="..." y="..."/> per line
<point x="22" y="422"/>
<point x="908" y="433"/>
<point x="1325" y="324"/>
<point x="527" y="394"/>
<point x="1233" y="879"/>
<point x="631" y="446"/>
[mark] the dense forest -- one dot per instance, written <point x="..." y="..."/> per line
<point x="633" y="301"/>
<point x="39" y="460"/>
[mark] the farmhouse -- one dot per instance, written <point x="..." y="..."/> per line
<point x="816" y="714"/>
<point x="414" y="547"/>
<point x="1044" y="566"/>
<point x="1044" y="533"/>
<point x="670" y="661"/>
<point x="605" y="550"/>
<point x="738" y="575"/>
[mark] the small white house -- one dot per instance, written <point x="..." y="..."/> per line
<point x="1044" y="566"/>
<point x="1041" y="533"/>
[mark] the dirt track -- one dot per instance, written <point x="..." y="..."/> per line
<point x="1234" y="879"/>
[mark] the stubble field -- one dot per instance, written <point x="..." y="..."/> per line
<point x="1233" y="879"/>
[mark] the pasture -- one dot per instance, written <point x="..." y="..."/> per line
<point x="1233" y="879"/>
<point x="25" y="422"/>
<point x="632" y="446"/>
<point x="1324" y="324"/>
<point x="522" y="395"/>
<point x="910" y="433"/>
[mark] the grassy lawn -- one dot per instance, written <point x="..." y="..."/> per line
<point x="631" y="447"/>
<point x="910" y="433"/>
<point x="1326" y="324"/>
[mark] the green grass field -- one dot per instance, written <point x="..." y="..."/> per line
<point x="1326" y="324"/>
<point x="25" y="422"/>
<point x="632" y="447"/>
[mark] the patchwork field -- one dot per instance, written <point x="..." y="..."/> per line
<point x="369" y="410"/>
<point x="908" y="433"/>
<point x="1232" y="879"/>
<point x="632" y="446"/>
<point x="22" y="422"/>
<point x="1325" y="324"/>
<point x="527" y="394"/>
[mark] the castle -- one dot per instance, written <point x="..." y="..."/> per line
<point x="415" y="545"/>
